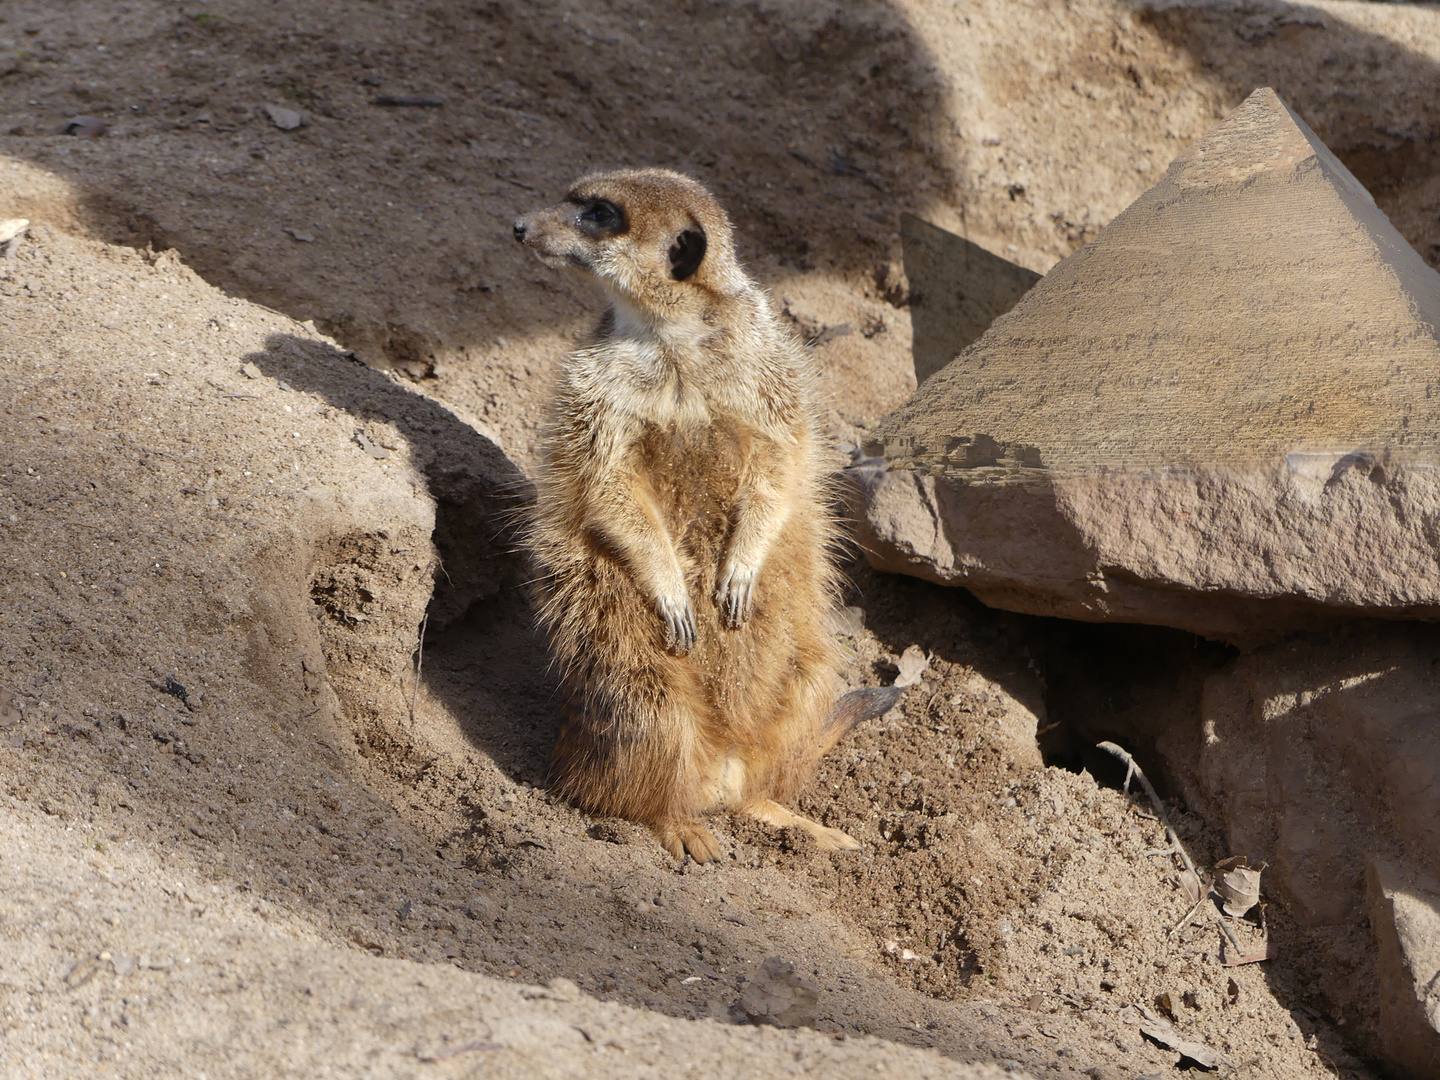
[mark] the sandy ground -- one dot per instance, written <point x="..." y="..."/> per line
<point x="202" y="489"/>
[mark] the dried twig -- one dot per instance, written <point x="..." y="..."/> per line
<point x="1139" y="774"/>
<point x="1188" y="915"/>
<point x="1179" y="848"/>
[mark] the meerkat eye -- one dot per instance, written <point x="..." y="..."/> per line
<point x="601" y="218"/>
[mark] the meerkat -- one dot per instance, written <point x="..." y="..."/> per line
<point x="681" y="530"/>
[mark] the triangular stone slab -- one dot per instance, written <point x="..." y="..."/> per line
<point x="1231" y="395"/>
<point x="1253" y="303"/>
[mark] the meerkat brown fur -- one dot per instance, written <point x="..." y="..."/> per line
<point x="681" y="532"/>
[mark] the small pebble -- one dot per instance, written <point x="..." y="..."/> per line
<point x="283" y="118"/>
<point x="89" y="127"/>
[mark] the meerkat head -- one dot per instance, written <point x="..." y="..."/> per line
<point x="653" y="238"/>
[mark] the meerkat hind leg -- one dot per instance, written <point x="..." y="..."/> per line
<point x="772" y="813"/>
<point x="680" y="837"/>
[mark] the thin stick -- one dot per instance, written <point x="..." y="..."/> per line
<point x="419" y="662"/>
<point x="1189" y="915"/>
<point x="1139" y="773"/>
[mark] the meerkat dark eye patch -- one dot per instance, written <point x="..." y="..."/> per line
<point x="687" y="253"/>
<point x="600" y="217"/>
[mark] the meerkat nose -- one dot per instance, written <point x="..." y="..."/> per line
<point x="520" y="230"/>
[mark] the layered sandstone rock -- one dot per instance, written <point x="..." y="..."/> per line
<point x="1222" y="415"/>
<point x="1321" y="755"/>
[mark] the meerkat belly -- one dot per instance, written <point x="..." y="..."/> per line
<point x="766" y="682"/>
<point x="695" y="476"/>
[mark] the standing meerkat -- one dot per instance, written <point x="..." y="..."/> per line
<point x="681" y="530"/>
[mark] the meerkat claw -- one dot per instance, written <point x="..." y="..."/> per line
<point x="735" y="596"/>
<point x="679" y="625"/>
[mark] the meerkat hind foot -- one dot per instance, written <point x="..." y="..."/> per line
<point x="682" y="837"/>
<point x="772" y="813"/>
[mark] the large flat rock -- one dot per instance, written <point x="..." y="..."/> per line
<point x="1221" y="415"/>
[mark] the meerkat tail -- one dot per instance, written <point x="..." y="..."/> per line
<point x="855" y="708"/>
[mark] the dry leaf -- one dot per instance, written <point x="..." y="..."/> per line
<point x="913" y="663"/>
<point x="1163" y="1033"/>
<point x="1190" y="886"/>
<point x="1238" y="884"/>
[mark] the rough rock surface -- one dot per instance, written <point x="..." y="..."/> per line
<point x="1321" y="752"/>
<point x="1406" y="920"/>
<point x="1217" y="416"/>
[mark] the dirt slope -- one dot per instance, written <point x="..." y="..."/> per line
<point x="273" y="538"/>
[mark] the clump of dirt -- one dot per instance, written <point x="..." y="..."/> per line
<point x="198" y="489"/>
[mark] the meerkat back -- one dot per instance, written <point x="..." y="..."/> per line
<point x="681" y="534"/>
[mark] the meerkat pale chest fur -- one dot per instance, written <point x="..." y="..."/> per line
<point x="681" y="534"/>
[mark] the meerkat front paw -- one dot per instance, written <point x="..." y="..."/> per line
<point x="735" y="595"/>
<point x="679" y="620"/>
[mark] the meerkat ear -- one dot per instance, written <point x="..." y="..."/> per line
<point x="686" y="253"/>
